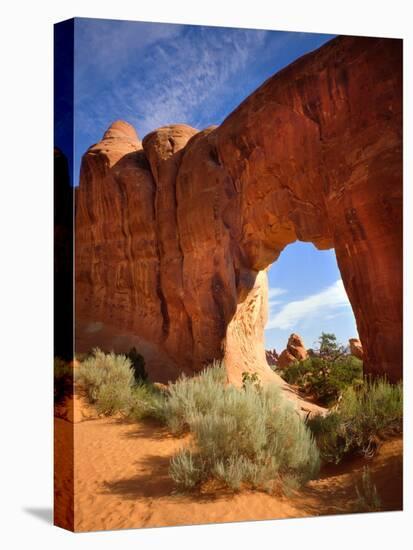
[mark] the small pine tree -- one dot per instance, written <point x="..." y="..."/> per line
<point x="329" y="348"/>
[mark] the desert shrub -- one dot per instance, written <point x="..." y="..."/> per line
<point x="186" y="469"/>
<point x="146" y="402"/>
<point x="363" y="417"/>
<point x="325" y="376"/>
<point x="368" y="499"/>
<point x="188" y="396"/>
<point x="113" y="398"/>
<point x="138" y="365"/>
<point x="63" y="380"/>
<point x="248" y="436"/>
<point x="295" y="373"/>
<point x="107" y="379"/>
<point x="326" y="379"/>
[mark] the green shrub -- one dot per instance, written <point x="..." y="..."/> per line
<point x="324" y="378"/>
<point x="295" y="373"/>
<point x="108" y="380"/>
<point x="63" y="380"/>
<point x="112" y="398"/>
<point x="249" y="436"/>
<point x="327" y="372"/>
<point x="146" y="402"/>
<point x="362" y="418"/>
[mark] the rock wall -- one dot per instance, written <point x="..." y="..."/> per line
<point x="173" y="238"/>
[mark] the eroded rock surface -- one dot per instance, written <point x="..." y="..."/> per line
<point x="173" y="238"/>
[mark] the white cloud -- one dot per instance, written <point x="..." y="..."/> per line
<point x="327" y="302"/>
<point x="274" y="291"/>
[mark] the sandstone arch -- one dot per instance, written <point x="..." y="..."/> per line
<point x="173" y="236"/>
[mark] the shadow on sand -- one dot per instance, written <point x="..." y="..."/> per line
<point x="156" y="483"/>
<point x="150" y="429"/>
<point x="334" y="492"/>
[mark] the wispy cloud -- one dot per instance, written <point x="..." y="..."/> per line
<point x="153" y="74"/>
<point x="329" y="302"/>
<point x="273" y="298"/>
<point x="104" y="47"/>
<point x="157" y="74"/>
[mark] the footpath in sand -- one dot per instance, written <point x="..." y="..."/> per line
<point x="121" y="481"/>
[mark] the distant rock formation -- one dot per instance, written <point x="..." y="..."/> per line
<point x="174" y="235"/>
<point x="356" y="348"/>
<point x="272" y="357"/>
<point x="295" y="351"/>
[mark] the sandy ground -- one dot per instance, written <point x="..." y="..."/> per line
<point x="121" y="481"/>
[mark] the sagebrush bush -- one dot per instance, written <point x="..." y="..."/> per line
<point x="250" y="436"/>
<point x="363" y="416"/>
<point x="192" y="395"/>
<point x="63" y="380"/>
<point x="186" y="469"/>
<point x="107" y="379"/>
<point x="146" y="402"/>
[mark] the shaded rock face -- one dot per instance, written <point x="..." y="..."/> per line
<point x="356" y="348"/>
<point x="173" y="238"/>
<point x="295" y="351"/>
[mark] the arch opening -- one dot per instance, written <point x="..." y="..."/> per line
<point x="306" y="296"/>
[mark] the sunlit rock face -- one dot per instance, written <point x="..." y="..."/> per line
<point x="356" y="348"/>
<point x="173" y="237"/>
<point x="295" y="351"/>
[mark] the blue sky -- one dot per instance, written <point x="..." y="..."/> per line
<point x="307" y="296"/>
<point x="153" y="74"/>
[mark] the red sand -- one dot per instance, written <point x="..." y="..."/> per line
<point x="121" y="481"/>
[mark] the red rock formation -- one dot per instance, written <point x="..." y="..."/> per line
<point x="272" y="357"/>
<point x="173" y="239"/>
<point x="295" y="351"/>
<point x="119" y="299"/>
<point x="356" y="348"/>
